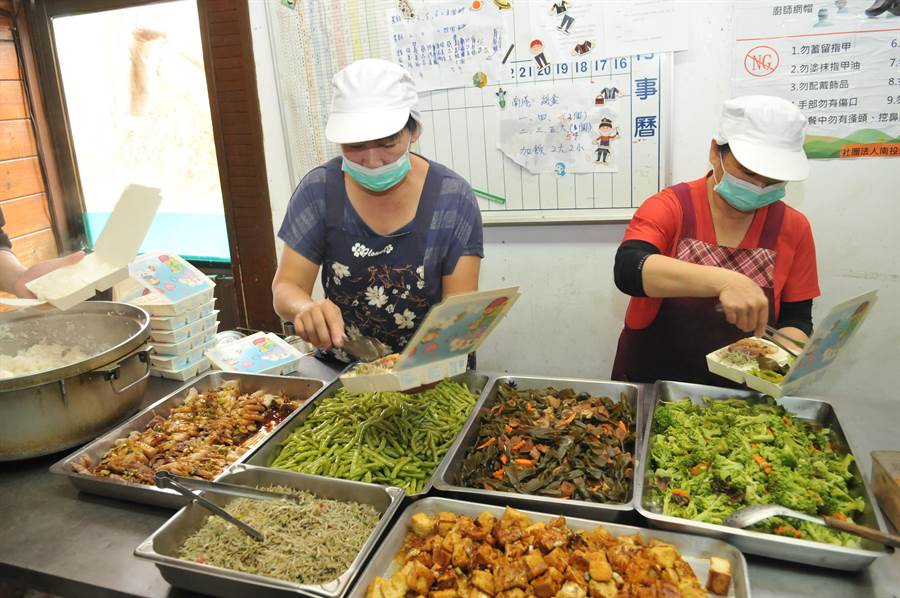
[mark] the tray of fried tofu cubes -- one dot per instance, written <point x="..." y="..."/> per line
<point x="444" y="548"/>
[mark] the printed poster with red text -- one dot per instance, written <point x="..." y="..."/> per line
<point x="836" y="60"/>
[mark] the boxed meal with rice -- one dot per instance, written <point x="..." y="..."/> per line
<point x="767" y="367"/>
<point x="440" y="347"/>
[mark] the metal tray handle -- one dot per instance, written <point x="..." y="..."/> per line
<point x="112" y="372"/>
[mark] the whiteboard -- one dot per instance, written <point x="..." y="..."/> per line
<point x="313" y="40"/>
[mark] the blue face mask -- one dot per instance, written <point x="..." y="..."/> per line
<point x="743" y="195"/>
<point x="381" y="178"/>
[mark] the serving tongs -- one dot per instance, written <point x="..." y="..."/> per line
<point x="183" y="485"/>
<point x="747" y="516"/>
<point x="771" y="334"/>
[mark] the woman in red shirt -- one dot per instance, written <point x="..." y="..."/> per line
<point x="713" y="260"/>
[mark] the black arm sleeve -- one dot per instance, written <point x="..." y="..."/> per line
<point x="797" y="314"/>
<point x="4" y="239"/>
<point x="629" y="266"/>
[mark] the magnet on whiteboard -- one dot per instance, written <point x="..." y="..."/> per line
<point x="406" y="9"/>
<point x="501" y="98"/>
<point x="479" y="79"/>
<point x="561" y="168"/>
<point x="476" y="4"/>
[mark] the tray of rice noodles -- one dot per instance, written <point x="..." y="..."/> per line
<point x="199" y="431"/>
<point x="445" y="548"/>
<point x="314" y="545"/>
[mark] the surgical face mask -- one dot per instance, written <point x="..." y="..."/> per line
<point x="743" y="195"/>
<point x="381" y="178"/>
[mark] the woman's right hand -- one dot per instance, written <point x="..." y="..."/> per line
<point x="321" y="324"/>
<point x="744" y="303"/>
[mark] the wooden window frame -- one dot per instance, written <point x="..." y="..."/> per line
<point x="245" y="195"/>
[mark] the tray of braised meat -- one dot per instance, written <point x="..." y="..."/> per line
<point x="200" y="430"/>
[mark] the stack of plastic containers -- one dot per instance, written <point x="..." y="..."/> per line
<point x="183" y="322"/>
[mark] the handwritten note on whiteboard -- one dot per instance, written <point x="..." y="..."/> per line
<point x="554" y="128"/>
<point x="448" y="44"/>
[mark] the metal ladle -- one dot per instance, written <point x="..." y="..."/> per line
<point x="747" y="516"/>
<point x="165" y="480"/>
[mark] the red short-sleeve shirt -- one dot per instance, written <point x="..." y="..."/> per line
<point x="658" y="221"/>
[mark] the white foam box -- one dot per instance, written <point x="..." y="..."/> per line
<point x="440" y="347"/>
<point x="192" y="342"/>
<point x="183" y="360"/>
<point x="164" y="285"/>
<point x="184" y="374"/>
<point x="188" y="317"/>
<point x="829" y="338"/>
<point x="259" y="353"/>
<point x="201" y="326"/>
<point x="117" y="244"/>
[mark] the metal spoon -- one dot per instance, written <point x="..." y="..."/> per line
<point x="164" y="480"/>
<point x="365" y="348"/>
<point x="747" y="516"/>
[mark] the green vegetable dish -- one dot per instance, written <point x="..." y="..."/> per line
<point x="559" y="443"/>
<point x="297" y="547"/>
<point x="390" y="438"/>
<point x="710" y="460"/>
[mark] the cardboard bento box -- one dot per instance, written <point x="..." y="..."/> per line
<point x="808" y="366"/>
<point x="259" y="353"/>
<point x="164" y="285"/>
<point x="440" y="347"/>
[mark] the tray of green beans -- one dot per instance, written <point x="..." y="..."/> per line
<point x="389" y="438"/>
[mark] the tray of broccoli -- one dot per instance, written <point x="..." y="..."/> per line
<point x="709" y="451"/>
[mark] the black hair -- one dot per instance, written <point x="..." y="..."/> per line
<point x="723" y="147"/>
<point x="411" y="125"/>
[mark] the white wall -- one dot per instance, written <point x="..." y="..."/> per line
<point x="568" y="320"/>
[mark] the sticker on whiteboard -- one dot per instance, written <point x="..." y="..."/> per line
<point x="582" y="48"/>
<point x="406" y="9"/>
<point x="607" y="132"/>
<point x="537" y="50"/>
<point x="501" y="98"/>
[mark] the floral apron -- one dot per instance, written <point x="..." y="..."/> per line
<point x="675" y="344"/>
<point x="378" y="282"/>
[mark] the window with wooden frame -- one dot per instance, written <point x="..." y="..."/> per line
<point x="120" y="82"/>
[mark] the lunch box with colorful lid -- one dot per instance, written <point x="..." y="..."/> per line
<point x="164" y="285"/>
<point x="440" y="348"/>
<point x="259" y="353"/>
<point x="757" y="368"/>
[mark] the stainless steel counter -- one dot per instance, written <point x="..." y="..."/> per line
<point x="54" y="539"/>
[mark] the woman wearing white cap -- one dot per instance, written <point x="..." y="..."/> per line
<point x="723" y="239"/>
<point x="392" y="232"/>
